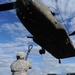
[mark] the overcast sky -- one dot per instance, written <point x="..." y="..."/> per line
<point x="13" y="39"/>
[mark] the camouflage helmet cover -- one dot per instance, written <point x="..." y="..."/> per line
<point x="21" y="54"/>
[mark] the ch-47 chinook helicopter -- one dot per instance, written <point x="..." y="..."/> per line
<point x="42" y="24"/>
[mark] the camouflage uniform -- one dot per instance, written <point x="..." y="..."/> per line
<point x="20" y="66"/>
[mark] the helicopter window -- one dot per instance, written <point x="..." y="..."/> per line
<point x="53" y="13"/>
<point x="55" y="22"/>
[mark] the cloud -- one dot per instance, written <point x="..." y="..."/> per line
<point x="15" y="26"/>
<point x="15" y="29"/>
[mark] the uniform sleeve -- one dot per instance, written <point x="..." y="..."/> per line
<point x="30" y="65"/>
<point x="11" y="67"/>
<point x="14" y="67"/>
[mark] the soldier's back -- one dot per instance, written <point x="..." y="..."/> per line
<point x="20" y="67"/>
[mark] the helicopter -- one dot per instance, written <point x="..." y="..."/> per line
<point x="46" y="31"/>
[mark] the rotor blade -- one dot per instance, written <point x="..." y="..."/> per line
<point x="73" y="33"/>
<point x="7" y="6"/>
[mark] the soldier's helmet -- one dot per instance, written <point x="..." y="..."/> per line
<point x="20" y="54"/>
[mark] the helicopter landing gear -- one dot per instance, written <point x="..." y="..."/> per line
<point x="42" y="51"/>
<point x="59" y="61"/>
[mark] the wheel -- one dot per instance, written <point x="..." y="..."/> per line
<point x="42" y="51"/>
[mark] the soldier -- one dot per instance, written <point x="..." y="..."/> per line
<point x="20" y="66"/>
